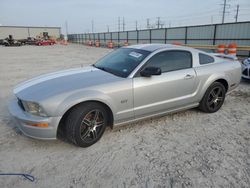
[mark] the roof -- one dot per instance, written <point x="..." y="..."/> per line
<point x="14" y="26"/>
<point x="154" y="47"/>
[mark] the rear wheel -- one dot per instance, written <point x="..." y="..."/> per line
<point x="86" y="124"/>
<point x="213" y="98"/>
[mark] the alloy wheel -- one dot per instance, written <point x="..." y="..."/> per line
<point x="91" y="124"/>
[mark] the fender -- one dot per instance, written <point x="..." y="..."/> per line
<point x="83" y="96"/>
<point x="212" y="78"/>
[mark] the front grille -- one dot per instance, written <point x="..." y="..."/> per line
<point x="20" y="104"/>
<point x="245" y="72"/>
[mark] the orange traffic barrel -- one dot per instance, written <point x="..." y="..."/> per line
<point x="125" y="44"/>
<point x="90" y="43"/>
<point x="177" y="43"/>
<point x="232" y="49"/>
<point x="221" y="48"/>
<point x="97" y="43"/>
<point x="110" y="45"/>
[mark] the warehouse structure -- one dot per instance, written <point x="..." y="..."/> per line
<point x="22" y="32"/>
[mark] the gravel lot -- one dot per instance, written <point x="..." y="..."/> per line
<point x="185" y="149"/>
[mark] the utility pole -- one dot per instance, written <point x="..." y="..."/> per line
<point x="123" y="24"/>
<point x="225" y="6"/>
<point x="158" y="22"/>
<point x="224" y="11"/>
<point x="108" y="28"/>
<point x="136" y="25"/>
<point x="66" y="28"/>
<point x="92" y="25"/>
<point x="148" y="26"/>
<point x="118" y="23"/>
<point x="237" y="13"/>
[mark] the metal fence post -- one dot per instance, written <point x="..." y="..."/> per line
<point x="215" y="31"/>
<point x="150" y="36"/>
<point x="137" y="36"/>
<point x="104" y="38"/>
<point x="127" y="36"/>
<point x="118" y="39"/>
<point x="166" y="30"/>
<point x="186" y="28"/>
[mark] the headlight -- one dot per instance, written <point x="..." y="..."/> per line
<point x="33" y="108"/>
<point x="246" y="62"/>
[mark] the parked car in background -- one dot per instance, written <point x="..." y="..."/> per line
<point x="10" y="41"/>
<point x="45" y="42"/>
<point x="29" y="41"/>
<point x="246" y="68"/>
<point x="1" y="41"/>
<point x="129" y="84"/>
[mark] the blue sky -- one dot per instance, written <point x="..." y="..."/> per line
<point x="80" y="13"/>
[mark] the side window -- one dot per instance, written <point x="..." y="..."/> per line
<point x="205" y="59"/>
<point x="171" y="60"/>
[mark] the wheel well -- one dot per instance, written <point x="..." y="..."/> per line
<point x="223" y="82"/>
<point x="60" y="129"/>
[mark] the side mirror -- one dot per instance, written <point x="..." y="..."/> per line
<point x="149" y="71"/>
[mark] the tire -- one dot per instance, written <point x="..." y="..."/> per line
<point x="86" y="124"/>
<point x="213" y="98"/>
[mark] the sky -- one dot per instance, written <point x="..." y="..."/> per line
<point x="104" y="14"/>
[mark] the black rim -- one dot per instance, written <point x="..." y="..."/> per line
<point x="91" y="125"/>
<point x="215" y="98"/>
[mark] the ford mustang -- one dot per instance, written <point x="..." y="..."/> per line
<point x="127" y="85"/>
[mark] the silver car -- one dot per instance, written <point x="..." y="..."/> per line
<point x="129" y="84"/>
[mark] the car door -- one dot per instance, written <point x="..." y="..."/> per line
<point x="174" y="88"/>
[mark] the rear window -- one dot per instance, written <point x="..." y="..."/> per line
<point x="205" y="59"/>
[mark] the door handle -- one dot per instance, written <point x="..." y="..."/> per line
<point x="188" y="76"/>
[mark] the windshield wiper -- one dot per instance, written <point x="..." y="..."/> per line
<point x="101" y="68"/>
<point x="108" y="70"/>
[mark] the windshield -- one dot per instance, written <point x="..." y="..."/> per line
<point x="122" y="61"/>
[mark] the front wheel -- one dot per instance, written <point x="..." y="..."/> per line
<point x="86" y="124"/>
<point x="213" y="98"/>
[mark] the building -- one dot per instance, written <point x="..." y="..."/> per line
<point x="22" y="32"/>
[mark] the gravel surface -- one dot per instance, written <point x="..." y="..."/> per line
<point x="185" y="149"/>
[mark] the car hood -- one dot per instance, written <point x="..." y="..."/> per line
<point x="57" y="83"/>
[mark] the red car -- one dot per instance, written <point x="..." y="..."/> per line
<point x="45" y="42"/>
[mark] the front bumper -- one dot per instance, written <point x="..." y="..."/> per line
<point x="24" y="119"/>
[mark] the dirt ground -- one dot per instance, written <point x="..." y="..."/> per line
<point x="185" y="149"/>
